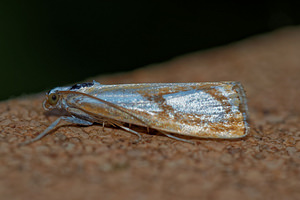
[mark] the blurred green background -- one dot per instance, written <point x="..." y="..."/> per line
<point x="44" y="44"/>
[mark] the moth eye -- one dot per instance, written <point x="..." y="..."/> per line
<point x="53" y="98"/>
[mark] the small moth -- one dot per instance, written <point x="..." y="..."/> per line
<point x="204" y="110"/>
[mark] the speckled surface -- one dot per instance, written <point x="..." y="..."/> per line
<point x="86" y="163"/>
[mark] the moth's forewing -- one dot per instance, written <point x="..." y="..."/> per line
<point x="210" y="110"/>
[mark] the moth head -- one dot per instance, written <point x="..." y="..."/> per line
<point x="52" y="100"/>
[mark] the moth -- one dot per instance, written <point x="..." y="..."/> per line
<point x="203" y="110"/>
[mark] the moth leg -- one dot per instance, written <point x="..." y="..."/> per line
<point x="45" y="132"/>
<point x="54" y="125"/>
<point x="131" y="131"/>
<point x="103" y="124"/>
<point x="176" y="138"/>
<point x="78" y="121"/>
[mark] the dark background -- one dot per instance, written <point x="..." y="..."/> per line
<point x="44" y="44"/>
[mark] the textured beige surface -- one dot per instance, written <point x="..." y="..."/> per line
<point x="86" y="163"/>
